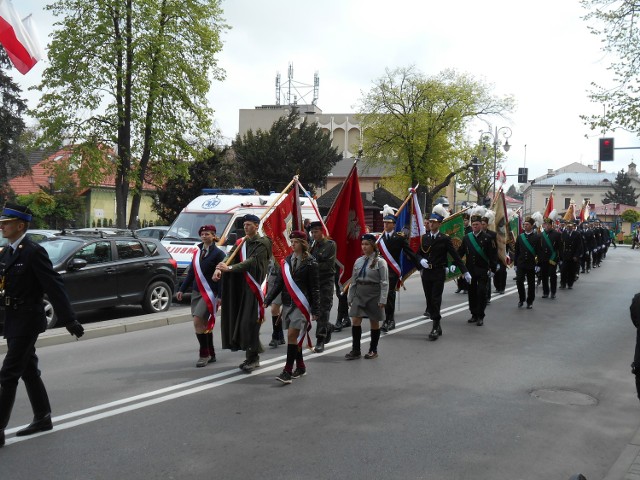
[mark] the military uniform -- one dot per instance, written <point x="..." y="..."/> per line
<point x="571" y="254"/>
<point x="526" y="262"/>
<point x="494" y="239"/>
<point x="479" y="264"/>
<point x="550" y="255"/>
<point x="324" y="251"/>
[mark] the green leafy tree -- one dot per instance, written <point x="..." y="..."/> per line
<point x="623" y="192"/>
<point x="630" y="216"/>
<point x="416" y="125"/>
<point x="269" y="159"/>
<point x="127" y="86"/>
<point x="616" y="23"/>
<point x="12" y="128"/>
<point x="216" y="170"/>
<point x="513" y="193"/>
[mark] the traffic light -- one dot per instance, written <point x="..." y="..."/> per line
<point x="606" y="149"/>
<point x="523" y="174"/>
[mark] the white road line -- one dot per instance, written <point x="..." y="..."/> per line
<point x="211" y="381"/>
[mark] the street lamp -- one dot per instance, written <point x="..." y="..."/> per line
<point x="495" y="136"/>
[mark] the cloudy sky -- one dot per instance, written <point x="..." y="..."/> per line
<point x="540" y="52"/>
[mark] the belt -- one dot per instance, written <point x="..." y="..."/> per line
<point x="362" y="282"/>
<point x="6" y="301"/>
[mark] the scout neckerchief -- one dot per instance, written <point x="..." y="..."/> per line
<point x="253" y="284"/>
<point x="300" y="299"/>
<point x="550" y="245"/>
<point x="523" y="236"/>
<point x="476" y="246"/>
<point x="205" y="290"/>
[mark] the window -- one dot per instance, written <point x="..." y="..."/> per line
<point x="546" y="201"/>
<point x="567" y="202"/>
<point x="129" y="249"/>
<point x="94" y="253"/>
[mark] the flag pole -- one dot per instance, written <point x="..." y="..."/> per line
<point x="406" y="200"/>
<point x="315" y="209"/>
<point x="273" y="204"/>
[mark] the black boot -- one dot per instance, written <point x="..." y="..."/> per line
<point x="436" y="331"/>
<point x="7" y="398"/>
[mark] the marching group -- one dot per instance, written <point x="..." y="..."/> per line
<point x="301" y="287"/>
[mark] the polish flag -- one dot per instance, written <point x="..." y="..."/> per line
<point x="19" y="38"/>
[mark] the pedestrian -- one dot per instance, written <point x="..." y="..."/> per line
<point x="368" y="290"/>
<point x="481" y="260"/>
<point x="526" y="262"/>
<point x="323" y="250"/>
<point x="391" y="245"/>
<point x="242" y="298"/>
<point x="277" y="335"/>
<point x="205" y="292"/>
<point x="635" y="318"/>
<point x="26" y="275"/>
<point x="298" y="285"/>
<point x="550" y="255"/>
<point x="571" y="254"/>
<point x="432" y="261"/>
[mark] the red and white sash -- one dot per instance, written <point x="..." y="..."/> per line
<point x="253" y="284"/>
<point x="390" y="261"/>
<point x="299" y="299"/>
<point x="205" y="290"/>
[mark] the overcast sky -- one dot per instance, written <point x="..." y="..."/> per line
<point x="540" y="52"/>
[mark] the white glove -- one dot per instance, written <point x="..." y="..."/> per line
<point x="595" y="251"/>
<point x="537" y="269"/>
<point x="452" y="269"/>
<point x="498" y="268"/>
<point x="467" y="277"/>
<point x="424" y="263"/>
<point x="515" y="269"/>
<point x="490" y="274"/>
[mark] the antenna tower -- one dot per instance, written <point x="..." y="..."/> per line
<point x="296" y="91"/>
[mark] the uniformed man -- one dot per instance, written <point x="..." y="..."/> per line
<point x="242" y="300"/>
<point x="26" y="274"/>
<point x="324" y="251"/>
<point x="481" y="258"/>
<point x="550" y="256"/>
<point x="463" y="286"/>
<point x="571" y="254"/>
<point x="487" y="219"/>
<point x="392" y="244"/>
<point x="589" y="243"/>
<point x="432" y="261"/>
<point x="526" y="262"/>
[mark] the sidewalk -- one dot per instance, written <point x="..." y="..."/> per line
<point x="59" y="336"/>
<point x="627" y="467"/>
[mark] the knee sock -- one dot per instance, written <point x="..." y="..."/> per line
<point x="375" y="337"/>
<point x="299" y="361"/>
<point x="212" y="352"/>
<point x="292" y="353"/>
<point x="202" y="340"/>
<point x="356" y="334"/>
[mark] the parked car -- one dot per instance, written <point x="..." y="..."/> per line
<point x="35" y="235"/>
<point x="157" y="232"/>
<point x="115" y="270"/>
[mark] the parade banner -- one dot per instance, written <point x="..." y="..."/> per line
<point x="454" y="227"/>
<point x="278" y="225"/>
<point x="570" y="214"/>
<point x="345" y="222"/>
<point x="411" y="224"/>
<point x="515" y="225"/>
<point x="549" y="208"/>
<point x="501" y="227"/>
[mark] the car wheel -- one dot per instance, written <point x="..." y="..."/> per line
<point x="157" y="298"/>
<point x="49" y="314"/>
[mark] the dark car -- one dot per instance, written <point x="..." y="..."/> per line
<point x="108" y="271"/>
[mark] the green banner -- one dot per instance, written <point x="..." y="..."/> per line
<point x="454" y="227"/>
<point x="514" y="226"/>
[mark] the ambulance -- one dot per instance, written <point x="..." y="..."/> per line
<point x="224" y="208"/>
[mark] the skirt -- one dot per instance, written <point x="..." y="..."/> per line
<point x="365" y="303"/>
<point x="199" y="306"/>
<point x="292" y="317"/>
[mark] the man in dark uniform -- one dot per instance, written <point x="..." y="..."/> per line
<point x="481" y="258"/>
<point x="634" y="310"/>
<point x="571" y="253"/>
<point x="488" y="218"/>
<point x="463" y="286"/>
<point x="391" y="245"/>
<point x="526" y="262"/>
<point x="589" y="242"/>
<point x="242" y="302"/>
<point x="432" y="261"/>
<point x="324" y="251"/>
<point x="550" y="255"/>
<point x="26" y="274"/>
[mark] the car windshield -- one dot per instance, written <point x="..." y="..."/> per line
<point x="60" y="248"/>
<point x="186" y="226"/>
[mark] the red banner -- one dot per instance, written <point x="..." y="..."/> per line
<point x="275" y="225"/>
<point x="345" y="223"/>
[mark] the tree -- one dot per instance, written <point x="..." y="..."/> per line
<point x="623" y="192"/>
<point x="479" y="177"/>
<point x="12" y="128"/>
<point x="514" y="193"/>
<point x="630" y="216"/>
<point x="416" y="125"/>
<point x="127" y="86"/>
<point x="616" y="21"/>
<point x="269" y="159"/>
<point x="217" y="169"/>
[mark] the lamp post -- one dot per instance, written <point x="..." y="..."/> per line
<point x="495" y="136"/>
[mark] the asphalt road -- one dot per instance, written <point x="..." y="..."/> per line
<point x="533" y="394"/>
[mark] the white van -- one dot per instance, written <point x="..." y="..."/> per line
<point x="224" y="208"/>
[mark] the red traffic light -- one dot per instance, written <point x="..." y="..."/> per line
<point x="606" y="150"/>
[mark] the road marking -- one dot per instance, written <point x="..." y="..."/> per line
<point x="136" y="402"/>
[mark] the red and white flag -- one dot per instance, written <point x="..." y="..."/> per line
<point x="276" y="225"/>
<point x="345" y="223"/>
<point x="549" y="209"/>
<point x="19" y="38"/>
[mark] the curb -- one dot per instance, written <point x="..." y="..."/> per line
<point x="58" y="336"/>
<point x="627" y="466"/>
